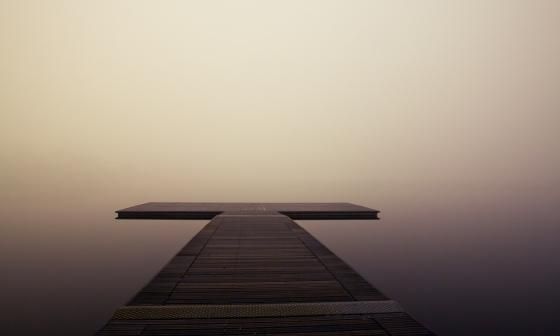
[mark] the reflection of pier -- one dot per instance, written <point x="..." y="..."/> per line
<point x="253" y="271"/>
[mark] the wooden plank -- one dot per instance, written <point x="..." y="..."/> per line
<point x="174" y="312"/>
<point x="389" y="324"/>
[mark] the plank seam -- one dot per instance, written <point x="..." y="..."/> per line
<point x="297" y="226"/>
<point x="197" y="255"/>
<point x="166" y="312"/>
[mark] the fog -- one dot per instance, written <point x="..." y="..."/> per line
<point x="443" y="115"/>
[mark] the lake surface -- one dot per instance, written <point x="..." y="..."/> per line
<point x="476" y="269"/>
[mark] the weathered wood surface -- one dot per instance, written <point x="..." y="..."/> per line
<point x="261" y="259"/>
<point x="255" y="259"/>
<point x="183" y="210"/>
<point x="394" y="324"/>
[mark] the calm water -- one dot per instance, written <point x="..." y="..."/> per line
<point x="477" y="268"/>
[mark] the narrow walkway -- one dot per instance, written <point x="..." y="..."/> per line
<point x="259" y="274"/>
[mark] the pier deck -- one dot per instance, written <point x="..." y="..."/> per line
<point x="253" y="271"/>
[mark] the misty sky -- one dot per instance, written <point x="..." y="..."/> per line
<point x="213" y="99"/>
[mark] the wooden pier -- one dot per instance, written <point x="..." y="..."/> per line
<point x="253" y="271"/>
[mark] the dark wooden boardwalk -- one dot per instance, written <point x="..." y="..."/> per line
<point x="253" y="271"/>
